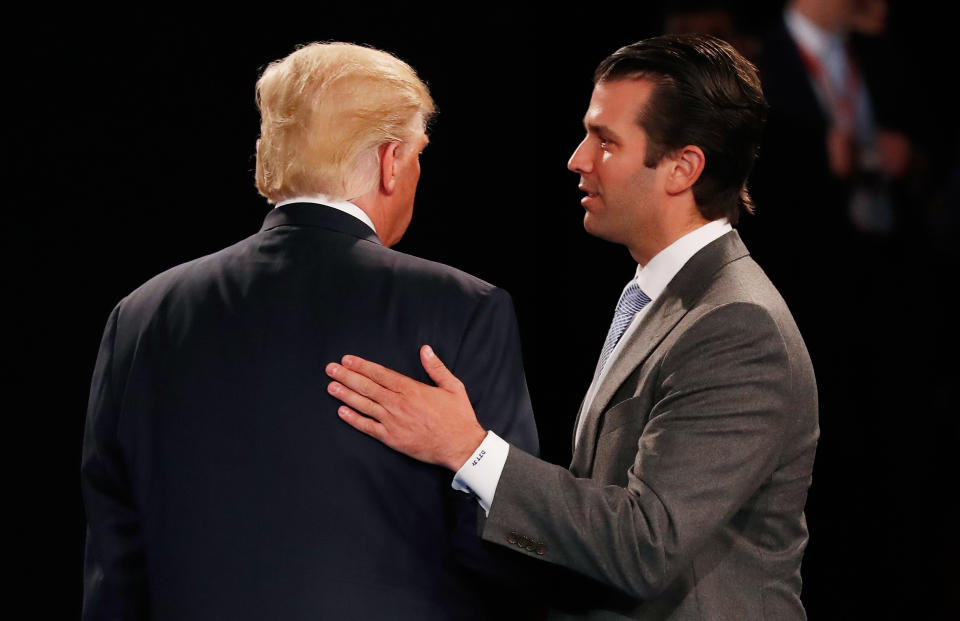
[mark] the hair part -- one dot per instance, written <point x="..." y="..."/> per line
<point x="705" y="94"/>
<point x="325" y="110"/>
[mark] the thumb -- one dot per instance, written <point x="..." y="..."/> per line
<point x="437" y="371"/>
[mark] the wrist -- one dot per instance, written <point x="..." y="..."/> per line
<point x="471" y="442"/>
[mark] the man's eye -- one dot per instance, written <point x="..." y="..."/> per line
<point x="604" y="143"/>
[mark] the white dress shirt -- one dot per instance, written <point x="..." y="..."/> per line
<point x="344" y="206"/>
<point x="481" y="473"/>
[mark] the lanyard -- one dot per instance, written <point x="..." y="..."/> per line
<point x="841" y="103"/>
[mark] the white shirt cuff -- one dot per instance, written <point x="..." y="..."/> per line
<point x="481" y="473"/>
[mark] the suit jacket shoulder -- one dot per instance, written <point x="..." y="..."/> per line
<point x="217" y="478"/>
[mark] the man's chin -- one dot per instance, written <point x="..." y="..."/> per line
<point x="591" y="226"/>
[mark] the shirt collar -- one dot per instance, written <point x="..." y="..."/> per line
<point x="654" y="277"/>
<point x="344" y="206"/>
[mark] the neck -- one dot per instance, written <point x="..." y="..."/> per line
<point x="676" y="223"/>
<point x="374" y="209"/>
<point x="826" y="15"/>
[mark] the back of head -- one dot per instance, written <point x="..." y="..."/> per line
<point x="325" y="109"/>
<point x="707" y="95"/>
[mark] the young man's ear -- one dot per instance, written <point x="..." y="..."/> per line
<point x="686" y="166"/>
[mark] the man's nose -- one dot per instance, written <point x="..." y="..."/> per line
<point x="580" y="162"/>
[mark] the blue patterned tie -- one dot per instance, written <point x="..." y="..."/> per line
<point x="632" y="300"/>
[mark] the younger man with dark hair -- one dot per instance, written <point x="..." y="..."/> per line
<point x="695" y="443"/>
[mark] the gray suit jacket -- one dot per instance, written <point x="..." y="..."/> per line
<point x="686" y="492"/>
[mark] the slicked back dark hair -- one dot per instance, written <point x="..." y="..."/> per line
<point x="705" y="94"/>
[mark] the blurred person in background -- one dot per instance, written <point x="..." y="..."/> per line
<point x="835" y="144"/>
<point x="844" y="192"/>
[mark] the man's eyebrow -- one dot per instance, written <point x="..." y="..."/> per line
<point x="596" y="128"/>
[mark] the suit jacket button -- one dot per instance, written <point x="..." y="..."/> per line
<point x="512" y="537"/>
<point x="522" y="541"/>
<point x="541" y="549"/>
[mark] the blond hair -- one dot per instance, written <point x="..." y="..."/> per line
<point x="325" y="109"/>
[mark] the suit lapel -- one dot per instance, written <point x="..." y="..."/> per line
<point x="680" y="295"/>
<point x="576" y="425"/>
<point x="653" y="327"/>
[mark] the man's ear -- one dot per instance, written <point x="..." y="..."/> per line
<point x="686" y="166"/>
<point x="388" y="167"/>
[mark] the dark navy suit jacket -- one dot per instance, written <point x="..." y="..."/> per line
<point x="219" y="482"/>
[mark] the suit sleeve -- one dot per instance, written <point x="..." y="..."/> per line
<point x="114" y="572"/>
<point x="714" y="434"/>
<point x="490" y="365"/>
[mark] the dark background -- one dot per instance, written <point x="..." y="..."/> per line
<point x="130" y="149"/>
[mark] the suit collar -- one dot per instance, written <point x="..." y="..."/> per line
<point x="654" y="277"/>
<point x="680" y="295"/>
<point x="310" y="214"/>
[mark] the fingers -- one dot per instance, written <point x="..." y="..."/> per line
<point x="361" y="423"/>
<point x="359" y="383"/>
<point x="391" y="380"/>
<point x="437" y="371"/>
<point x="357" y="401"/>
